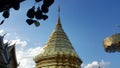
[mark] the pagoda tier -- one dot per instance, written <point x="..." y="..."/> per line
<point x="58" y="51"/>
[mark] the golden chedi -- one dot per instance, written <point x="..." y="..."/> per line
<point x="58" y="51"/>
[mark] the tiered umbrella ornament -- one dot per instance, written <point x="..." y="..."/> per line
<point x="112" y="43"/>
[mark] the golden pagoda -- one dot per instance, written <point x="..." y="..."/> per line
<point x="58" y="51"/>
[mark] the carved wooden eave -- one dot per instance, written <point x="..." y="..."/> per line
<point x="13" y="62"/>
<point x="7" y="55"/>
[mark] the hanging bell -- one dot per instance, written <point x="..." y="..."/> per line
<point x="31" y="12"/>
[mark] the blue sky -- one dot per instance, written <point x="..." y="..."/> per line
<point x="86" y="22"/>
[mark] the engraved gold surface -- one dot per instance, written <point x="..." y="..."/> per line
<point x="112" y="43"/>
<point x="114" y="39"/>
<point x="58" y="51"/>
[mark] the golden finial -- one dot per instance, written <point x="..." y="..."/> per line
<point x="58" y="9"/>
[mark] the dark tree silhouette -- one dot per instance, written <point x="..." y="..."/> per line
<point x="39" y="14"/>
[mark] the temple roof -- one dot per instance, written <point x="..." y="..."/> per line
<point x="7" y="54"/>
<point x="58" y="43"/>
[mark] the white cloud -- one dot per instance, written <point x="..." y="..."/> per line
<point x="19" y="42"/>
<point x="96" y="64"/>
<point x="25" y="57"/>
<point x="1" y="31"/>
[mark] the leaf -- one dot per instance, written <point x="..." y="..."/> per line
<point x="38" y="0"/>
<point x="36" y="23"/>
<point x="29" y="21"/>
<point x="2" y="22"/>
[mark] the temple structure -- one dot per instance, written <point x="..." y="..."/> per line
<point x="7" y="55"/>
<point x="58" y="51"/>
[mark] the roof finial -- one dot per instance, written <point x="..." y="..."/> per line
<point x="58" y="26"/>
<point x="58" y="10"/>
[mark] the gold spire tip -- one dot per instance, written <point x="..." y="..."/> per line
<point x="59" y="9"/>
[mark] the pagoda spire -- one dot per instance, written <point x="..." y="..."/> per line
<point x="58" y="51"/>
<point x="58" y="10"/>
<point x="58" y="25"/>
